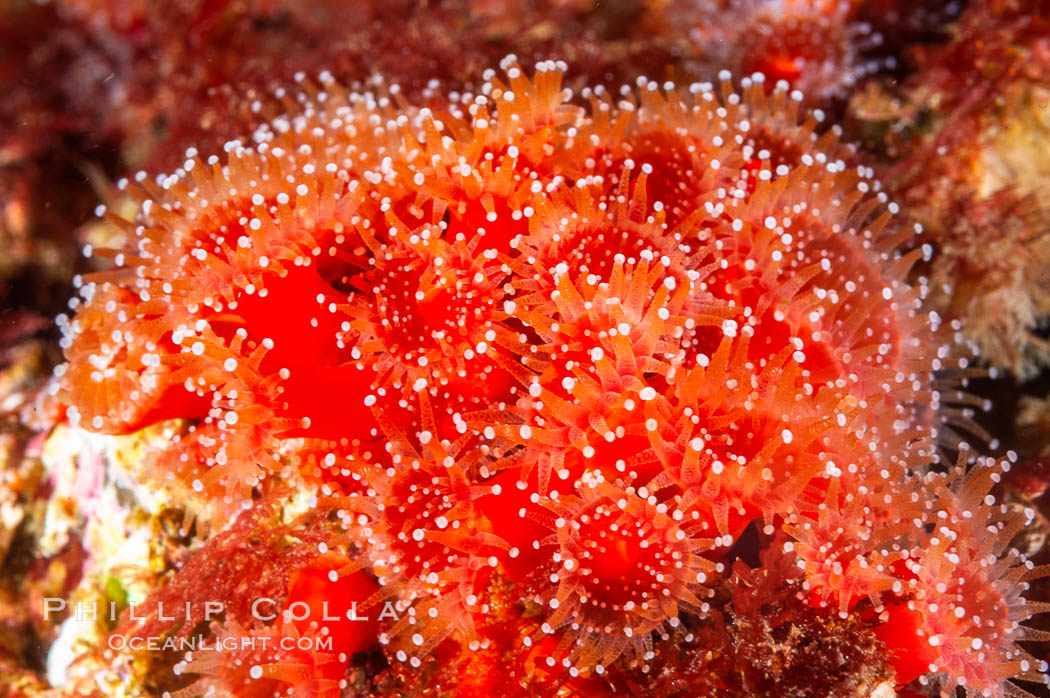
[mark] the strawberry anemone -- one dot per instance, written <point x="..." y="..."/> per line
<point x="961" y="591"/>
<point x="432" y="550"/>
<point x="565" y="354"/>
<point x="625" y="568"/>
<point x="223" y="255"/>
<point x="814" y="45"/>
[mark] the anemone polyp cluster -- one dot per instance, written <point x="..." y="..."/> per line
<point x="571" y="343"/>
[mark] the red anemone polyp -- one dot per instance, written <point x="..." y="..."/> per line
<point x="959" y="603"/>
<point x="814" y="46"/>
<point x="435" y="550"/>
<point x="428" y="511"/>
<point x="430" y="316"/>
<point x="624" y="566"/>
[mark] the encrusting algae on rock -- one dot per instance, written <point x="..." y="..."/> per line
<point x="542" y="361"/>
